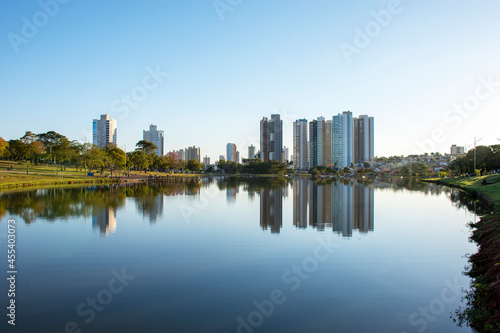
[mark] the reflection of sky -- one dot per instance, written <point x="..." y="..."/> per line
<point x="219" y="260"/>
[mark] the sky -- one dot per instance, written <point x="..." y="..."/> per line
<point x="206" y="71"/>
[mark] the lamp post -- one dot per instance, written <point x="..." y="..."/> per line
<point x="475" y="142"/>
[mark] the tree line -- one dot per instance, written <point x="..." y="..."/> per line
<point x="487" y="160"/>
<point x="57" y="149"/>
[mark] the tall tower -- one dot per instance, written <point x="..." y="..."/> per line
<point x="363" y="136"/>
<point x="231" y="152"/>
<point x="104" y="131"/>
<point x="300" y="145"/>
<point x="251" y="151"/>
<point x="342" y="142"/>
<point x="156" y="137"/>
<point x="271" y="138"/>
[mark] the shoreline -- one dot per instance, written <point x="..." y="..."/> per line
<point x="482" y="310"/>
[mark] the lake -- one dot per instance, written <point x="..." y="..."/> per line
<point x="238" y="255"/>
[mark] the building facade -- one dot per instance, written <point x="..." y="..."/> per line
<point x="271" y="138"/>
<point x="342" y="142"/>
<point x="457" y="150"/>
<point x="231" y="152"/>
<point x="300" y="145"/>
<point x="320" y="142"/>
<point x="156" y="137"/>
<point x="104" y="131"/>
<point x="251" y="152"/>
<point x="363" y="137"/>
<point x="192" y="153"/>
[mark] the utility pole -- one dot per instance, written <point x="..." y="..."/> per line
<point x="475" y="142"/>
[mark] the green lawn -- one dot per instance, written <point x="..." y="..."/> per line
<point x="40" y="175"/>
<point x="474" y="184"/>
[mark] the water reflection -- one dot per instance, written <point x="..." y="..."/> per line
<point x="104" y="220"/>
<point x="342" y="206"/>
<point x="271" y="209"/>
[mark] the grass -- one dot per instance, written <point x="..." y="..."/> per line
<point x="489" y="193"/>
<point x="13" y="175"/>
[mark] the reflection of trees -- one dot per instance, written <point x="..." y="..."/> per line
<point x="399" y="185"/>
<point x="64" y="202"/>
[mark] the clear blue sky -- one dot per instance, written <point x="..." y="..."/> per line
<point x="266" y="56"/>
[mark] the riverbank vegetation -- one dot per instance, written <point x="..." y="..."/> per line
<point x="482" y="308"/>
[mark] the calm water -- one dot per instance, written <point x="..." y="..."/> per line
<point x="238" y="256"/>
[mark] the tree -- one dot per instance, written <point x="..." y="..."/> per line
<point x="171" y="161"/>
<point x="193" y="165"/>
<point x="17" y="149"/>
<point x="116" y="158"/>
<point x="366" y="165"/>
<point x="146" y="146"/>
<point x="3" y="147"/>
<point x="96" y="158"/>
<point x="50" y="141"/>
<point x="32" y="148"/>
<point x="140" y="160"/>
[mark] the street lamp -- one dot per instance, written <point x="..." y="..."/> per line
<point x="475" y="142"/>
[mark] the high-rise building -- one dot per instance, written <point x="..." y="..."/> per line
<point x="317" y="142"/>
<point x="342" y="143"/>
<point x="156" y="137"/>
<point x="104" y="131"/>
<point x="206" y="160"/>
<point x="231" y="152"/>
<point x="271" y="138"/>
<point x="363" y="136"/>
<point x="251" y="151"/>
<point x="181" y="153"/>
<point x="300" y="145"/>
<point x="457" y="150"/>
<point x="192" y="153"/>
<point x="285" y="154"/>
<point x="237" y="157"/>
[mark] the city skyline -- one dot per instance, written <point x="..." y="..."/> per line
<point x="429" y="79"/>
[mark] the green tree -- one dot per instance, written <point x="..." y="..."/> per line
<point x="51" y="141"/>
<point x="116" y="158"/>
<point x="3" y="147"/>
<point x="193" y="165"/>
<point x="17" y="150"/>
<point x="140" y="160"/>
<point x="97" y="158"/>
<point x="146" y="146"/>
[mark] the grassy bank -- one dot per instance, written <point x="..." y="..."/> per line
<point x="482" y="310"/>
<point x="15" y="175"/>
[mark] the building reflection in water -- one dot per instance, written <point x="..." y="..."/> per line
<point x="151" y="207"/>
<point x="104" y="220"/>
<point x="343" y="207"/>
<point x="271" y="209"/>
<point x="231" y="194"/>
<point x="300" y="198"/>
